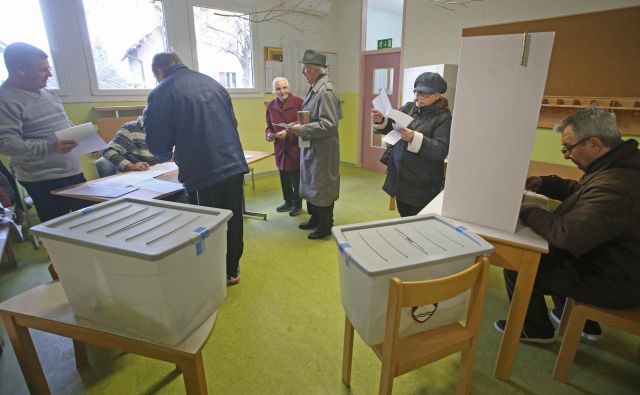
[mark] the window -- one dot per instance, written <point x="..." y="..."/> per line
<point x="23" y="21"/>
<point x="124" y="35"/>
<point x="224" y="46"/>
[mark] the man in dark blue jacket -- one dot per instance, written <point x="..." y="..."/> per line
<point x="191" y="114"/>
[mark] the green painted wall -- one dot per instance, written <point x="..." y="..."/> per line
<point x="251" y="112"/>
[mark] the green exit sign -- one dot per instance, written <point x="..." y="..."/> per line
<point x="386" y="43"/>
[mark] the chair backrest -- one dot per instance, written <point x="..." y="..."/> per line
<point x="107" y="127"/>
<point x="420" y="293"/>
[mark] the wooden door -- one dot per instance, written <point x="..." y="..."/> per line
<point x="381" y="71"/>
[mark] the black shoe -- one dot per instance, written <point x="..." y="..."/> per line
<point x="319" y="234"/>
<point x="283" y="207"/>
<point x="295" y="210"/>
<point x="591" y="331"/>
<point x="310" y="224"/>
<point x="524" y="336"/>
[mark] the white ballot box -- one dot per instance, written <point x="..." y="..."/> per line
<point x="151" y="269"/>
<point x="413" y="249"/>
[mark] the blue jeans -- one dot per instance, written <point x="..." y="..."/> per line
<point x="49" y="206"/>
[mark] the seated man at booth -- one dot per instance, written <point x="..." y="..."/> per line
<point x="594" y="234"/>
<point x="127" y="151"/>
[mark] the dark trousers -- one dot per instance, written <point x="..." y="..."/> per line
<point x="322" y="216"/>
<point x="226" y="194"/>
<point x="290" y="183"/>
<point x="561" y="277"/>
<point x="50" y="206"/>
<point x="407" y="210"/>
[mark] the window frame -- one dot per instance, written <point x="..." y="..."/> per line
<point x="96" y="91"/>
<point x="230" y="6"/>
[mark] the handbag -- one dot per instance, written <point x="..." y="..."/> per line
<point x="386" y="155"/>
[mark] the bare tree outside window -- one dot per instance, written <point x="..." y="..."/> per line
<point x="124" y="36"/>
<point x="224" y="47"/>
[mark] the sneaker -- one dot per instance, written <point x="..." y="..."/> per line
<point x="231" y="281"/>
<point x="295" y="210"/>
<point x="591" y="331"/>
<point x="283" y="207"/>
<point x="501" y="324"/>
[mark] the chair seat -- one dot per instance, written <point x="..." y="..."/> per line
<point x="441" y="342"/>
<point x="627" y="320"/>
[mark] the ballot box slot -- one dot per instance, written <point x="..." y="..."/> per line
<point x="136" y="223"/>
<point x="94" y="219"/>
<point x="154" y="226"/>
<point x="171" y="231"/>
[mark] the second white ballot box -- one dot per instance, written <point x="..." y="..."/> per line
<point x="151" y="269"/>
<point x="413" y="249"/>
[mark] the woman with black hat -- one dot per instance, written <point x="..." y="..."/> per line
<point x="415" y="168"/>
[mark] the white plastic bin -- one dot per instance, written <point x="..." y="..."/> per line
<point x="412" y="249"/>
<point x="151" y="269"/>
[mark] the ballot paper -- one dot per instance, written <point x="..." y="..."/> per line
<point x="392" y="137"/>
<point x="99" y="190"/>
<point x="382" y="103"/>
<point x="126" y="179"/>
<point x="285" y="125"/>
<point x="164" y="167"/>
<point x="400" y="119"/>
<point x="85" y="135"/>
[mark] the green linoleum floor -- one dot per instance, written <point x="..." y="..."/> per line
<point x="280" y="330"/>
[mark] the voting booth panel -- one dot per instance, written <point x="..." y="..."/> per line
<point x="500" y="85"/>
<point x="412" y="249"/>
<point x="151" y="269"/>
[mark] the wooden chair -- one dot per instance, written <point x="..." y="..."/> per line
<point x="403" y="354"/>
<point x="573" y="318"/>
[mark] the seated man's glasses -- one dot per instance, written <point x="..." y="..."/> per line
<point x="567" y="148"/>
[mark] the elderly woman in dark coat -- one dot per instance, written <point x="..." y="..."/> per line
<point x="284" y="109"/>
<point x="416" y="166"/>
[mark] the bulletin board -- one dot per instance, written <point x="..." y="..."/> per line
<point x="594" y="55"/>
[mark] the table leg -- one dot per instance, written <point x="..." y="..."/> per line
<point x="251" y="214"/>
<point x="27" y="357"/>
<point x="517" y="312"/>
<point x="80" y="351"/>
<point x="193" y="375"/>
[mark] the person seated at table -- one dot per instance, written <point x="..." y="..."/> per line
<point x="594" y="234"/>
<point x="284" y="109"/>
<point x="127" y="151"/>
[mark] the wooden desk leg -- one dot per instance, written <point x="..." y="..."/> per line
<point x="193" y="375"/>
<point x="80" y="351"/>
<point x="347" y="352"/>
<point x="517" y="312"/>
<point x="27" y="356"/>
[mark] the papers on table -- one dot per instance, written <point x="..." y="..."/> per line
<point x="106" y="191"/>
<point x="164" y="167"/>
<point x="85" y="135"/>
<point x="158" y="185"/>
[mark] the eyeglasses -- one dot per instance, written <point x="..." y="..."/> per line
<point x="422" y="94"/>
<point x="566" y="149"/>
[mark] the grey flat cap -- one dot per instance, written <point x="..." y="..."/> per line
<point x="314" y="57"/>
<point x="430" y="83"/>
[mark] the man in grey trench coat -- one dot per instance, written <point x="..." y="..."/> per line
<point x="320" y="159"/>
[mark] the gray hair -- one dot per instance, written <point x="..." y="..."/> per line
<point x="593" y="122"/>
<point x="322" y="70"/>
<point x="276" y="80"/>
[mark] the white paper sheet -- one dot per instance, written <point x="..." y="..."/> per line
<point x="304" y="143"/>
<point x="164" y="167"/>
<point x="285" y="125"/>
<point x="126" y="179"/>
<point x="100" y="190"/>
<point x="392" y="137"/>
<point x="382" y="103"/>
<point x="492" y="138"/>
<point x="401" y="119"/>
<point x="247" y="156"/>
<point x="158" y="185"/>
<point x="85" y="135"/>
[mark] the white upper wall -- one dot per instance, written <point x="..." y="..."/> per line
<point x="432" y="33"/>
<point x="382" y="25"/>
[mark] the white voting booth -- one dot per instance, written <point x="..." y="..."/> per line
<point x="500" y="85"/>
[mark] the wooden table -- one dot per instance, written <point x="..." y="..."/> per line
<point x="521" y="252"/>
<point x="171" y="176"/>
<point x="46" y="308"/>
